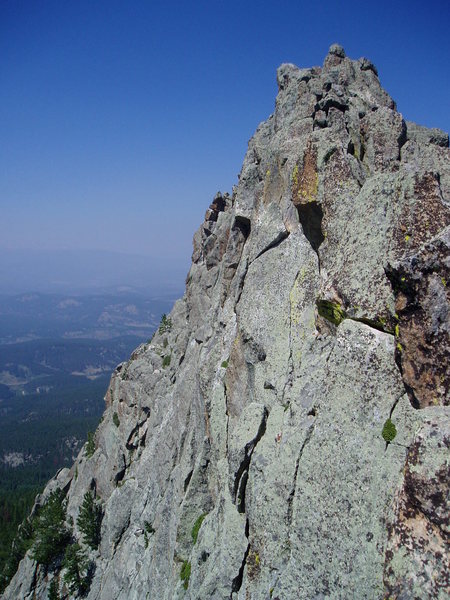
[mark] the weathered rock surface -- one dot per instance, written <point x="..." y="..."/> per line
<point x="422" y="304"/>
<point x="316" y="308"/>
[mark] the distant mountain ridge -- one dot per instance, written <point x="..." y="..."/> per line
<point x="87" y="271"/>
<point x="32" y="315"/>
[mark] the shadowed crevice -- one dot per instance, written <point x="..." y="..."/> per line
<point x="310" y="215"/>
<point x="241" y="477"/>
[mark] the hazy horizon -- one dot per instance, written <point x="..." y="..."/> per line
<point x="86" y="271"/>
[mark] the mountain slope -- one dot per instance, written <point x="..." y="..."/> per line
<point x="249" y="450"/>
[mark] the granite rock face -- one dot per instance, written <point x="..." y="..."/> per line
<point x="247" y="459"/>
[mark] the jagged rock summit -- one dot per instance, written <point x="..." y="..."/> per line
<point x="286" y="434"/>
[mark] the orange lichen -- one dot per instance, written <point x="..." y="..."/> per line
<point x="305" y="181"/>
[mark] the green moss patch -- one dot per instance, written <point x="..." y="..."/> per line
<point x="389" y="431"/>
<point x="185" y="573"/>
<point x="331" y="311"/>
<point x="196" y="527"/>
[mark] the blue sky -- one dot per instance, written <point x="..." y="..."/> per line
<point x="120" y="120"/>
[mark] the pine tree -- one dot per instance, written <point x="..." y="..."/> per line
<point x="90" y="445"/>
<point x="21" y="543"/>
<point x="89" y="520"/>
<point x="76" y="565"/>
<point x="53" y="592"/>
<point x="165" y="324"/>
<point x="51" y="535"/>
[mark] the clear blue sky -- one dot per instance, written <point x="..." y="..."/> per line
<point x="120" y="120"/>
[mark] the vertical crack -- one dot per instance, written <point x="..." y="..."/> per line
<point x="297" y="464"/>
<point x="394" y="406"/>
<point x="290" y="362"/>
<point x="236" y="584"/>
<point x="241" y="283"/>
<point x="240" y="484"/>
<point x="290" y="365"/>
<point x="241" y="477"/>
<point x="227" y="415"/>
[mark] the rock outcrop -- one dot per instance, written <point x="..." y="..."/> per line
<point x="285" y="434"/>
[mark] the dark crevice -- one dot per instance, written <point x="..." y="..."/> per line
<point x="402" y="139"/>
<point x="401" y="285"/>
<point x="412" y="396"/>
<point x="121" y="533"/>
<point x="310" y="215"/>
<point x="290" y="362"/>
<point x="237" y="581"/>
<point x="187" y="480"/>
<point x="240" y="496"/>
<point x="329" y="154"/>
<point x="373" y="324"/>
<point x="351" y="148"/>
<point x="239" y="234"/>
<point x="130" y="445"/>
<point x="120" y="474"/>
<point x="276" y="242"/>
<point x="241" y="477"/>
<point x="408" y="389"/>
<point x="330" y="102"/>
<point x="292" y="493"/>
<point x="183" y="437"/>
<point x="395" y="405"/>
<point x="362" y="152"/>
<point x="241" y="284"/>
<point x="335" y="313"/>
<point x="34" y="580"/>
<point x="243" y="224"/>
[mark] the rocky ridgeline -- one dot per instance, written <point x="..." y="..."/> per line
<point x="285" y="434"/>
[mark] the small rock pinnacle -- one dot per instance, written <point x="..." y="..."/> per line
<point x="337" y="50"/>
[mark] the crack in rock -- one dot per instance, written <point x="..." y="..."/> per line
<point x="241" y="477"/>
<point x="239" y="496"/>
<point x="297" y="464"/>
<point x="241" y="283"/>
<point x="273" y="244"/>
<point x="236" y="584"/>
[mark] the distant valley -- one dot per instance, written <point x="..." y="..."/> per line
<point x="57" y="353"/>
<point x="31" y="316"/>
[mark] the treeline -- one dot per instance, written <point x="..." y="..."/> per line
<point x="51" y="440"/>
